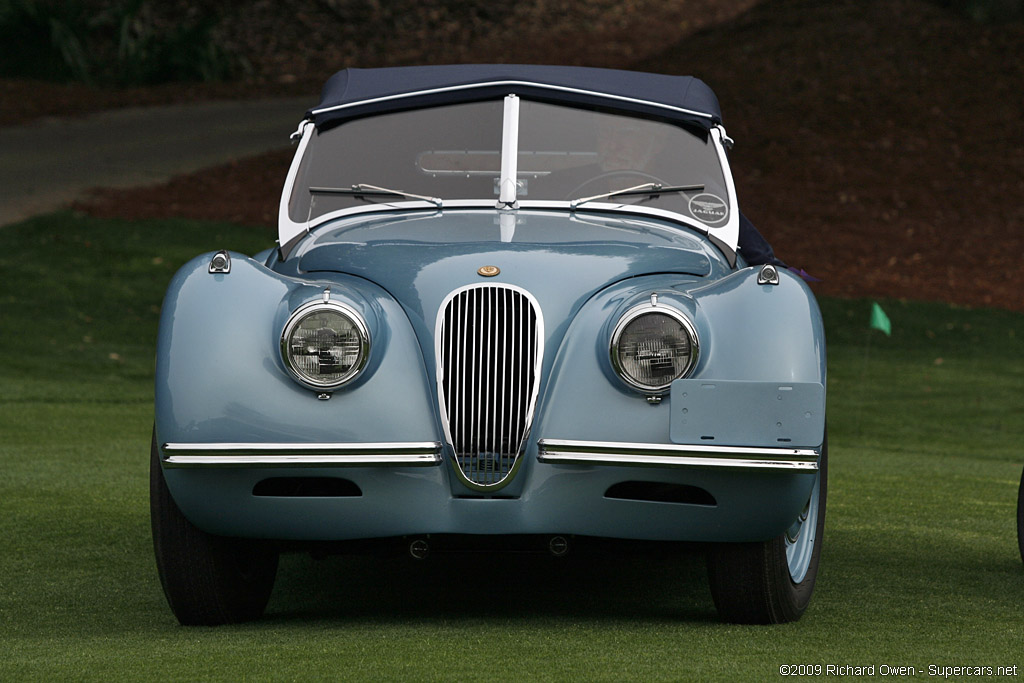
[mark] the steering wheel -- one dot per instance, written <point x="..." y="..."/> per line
<point x="623" y="173"/>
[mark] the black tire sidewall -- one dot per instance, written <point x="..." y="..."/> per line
<point x="1020" y="516"/>
<point x="207" y="579"/>
<point x="795" y="597"/>
<point x="751" y="583"/>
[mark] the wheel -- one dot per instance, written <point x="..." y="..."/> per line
<point x="1020" y="516"/>
<point x="625" y="173"/>
<point x="771" y="582"/>
<point x="207" y="579"/>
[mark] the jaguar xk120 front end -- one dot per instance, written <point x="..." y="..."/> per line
<point x="505" y="301"/>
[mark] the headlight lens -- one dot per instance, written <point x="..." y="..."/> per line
<point x="652" y="345"/>
<point x="325" y="345"/>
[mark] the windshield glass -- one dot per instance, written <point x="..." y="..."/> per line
<point x="454" y="152"/>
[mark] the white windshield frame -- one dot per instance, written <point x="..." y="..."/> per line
<point x="726" y="235"/>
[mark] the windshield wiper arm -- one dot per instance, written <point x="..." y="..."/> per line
<point x="362" y="189"/>
<point x="646" y="188"/>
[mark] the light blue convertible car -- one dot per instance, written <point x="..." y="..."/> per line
<point x="506" y="302"/>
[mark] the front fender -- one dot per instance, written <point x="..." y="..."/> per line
<point x="748" y="332"/>
<point x="750" y="336"/>
<point x="220" y="377"/>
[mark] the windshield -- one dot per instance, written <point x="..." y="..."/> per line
<point x="454" y="152"/>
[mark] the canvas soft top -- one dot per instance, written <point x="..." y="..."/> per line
<point x="352" y="93"/>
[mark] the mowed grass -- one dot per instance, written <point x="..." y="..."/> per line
<point x="920" y="565"/>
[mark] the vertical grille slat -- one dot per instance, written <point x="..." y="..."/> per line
<point x="489" y="341"/>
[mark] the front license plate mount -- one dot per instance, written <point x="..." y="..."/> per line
<point x="739" y="413"/>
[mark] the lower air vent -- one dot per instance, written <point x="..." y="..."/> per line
<point x="656" y="492"/>
<point x="489" y="352"/>
<point x="307" y="487"/>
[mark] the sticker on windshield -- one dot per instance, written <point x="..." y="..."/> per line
<point x="709" y="208"/>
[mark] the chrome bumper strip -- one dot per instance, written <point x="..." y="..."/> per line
<point x="562" y="452"/>
<point x="406" y="454"/>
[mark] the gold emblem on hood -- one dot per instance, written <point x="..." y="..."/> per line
<point x="488" y="271"/>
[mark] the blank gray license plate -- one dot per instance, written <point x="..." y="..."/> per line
<point x="737" y="413"/>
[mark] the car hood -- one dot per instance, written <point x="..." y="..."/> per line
<point x="561" y="259"/>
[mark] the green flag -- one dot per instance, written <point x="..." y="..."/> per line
<point x="879" y="320"/>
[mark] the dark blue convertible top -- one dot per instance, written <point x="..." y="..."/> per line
<point x="358" y="92"/>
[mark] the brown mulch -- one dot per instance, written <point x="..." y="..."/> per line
<point x="879" y="147"/>
<point x="879" y="144"/>
<point x="246" y="191"/>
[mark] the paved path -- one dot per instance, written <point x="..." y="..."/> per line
<point x="47" y="164"/>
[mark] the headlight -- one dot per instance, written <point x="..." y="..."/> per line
<point x="652" y="345"/>
<point x="325" y="344"/>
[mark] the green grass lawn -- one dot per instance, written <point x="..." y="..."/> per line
<point x="920" y="565"/>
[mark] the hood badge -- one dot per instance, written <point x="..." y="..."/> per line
<point x="488" y="271"/>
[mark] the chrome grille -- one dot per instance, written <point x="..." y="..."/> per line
<point x="489" y="350"/>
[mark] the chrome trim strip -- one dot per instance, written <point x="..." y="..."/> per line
<point x="403" y="454"/>
<point x="530" y="84"/>
<point x="541" y="204"/>
<point x="566" y="452"/>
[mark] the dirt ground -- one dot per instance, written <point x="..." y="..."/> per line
<point x="879" y="143"/>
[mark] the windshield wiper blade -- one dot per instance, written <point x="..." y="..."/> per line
<point x="646" y="188"/>
<point x="362" y="189"/>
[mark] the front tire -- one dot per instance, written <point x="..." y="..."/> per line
<point x="208" y="580"/>
<point x="771" y="582"/>
<point x="1020" y="517"/>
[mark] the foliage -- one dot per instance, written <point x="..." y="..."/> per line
<point x="920" y="565"/>
<point x="44" y="40"/>
<point x="151" y="52"/>
<point x="986" y="11"/>
<point x="127" y="42"/>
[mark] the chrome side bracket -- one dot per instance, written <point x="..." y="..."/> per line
<point x="221" y="262"/>
<point x="726" y="140"/>
<point x="768" y="275"/>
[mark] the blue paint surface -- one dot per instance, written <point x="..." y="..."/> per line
<point x="220" y="377"/>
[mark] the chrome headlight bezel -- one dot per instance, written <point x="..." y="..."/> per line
<point x="312" y="308"/>
<point x="652" y="308"/>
